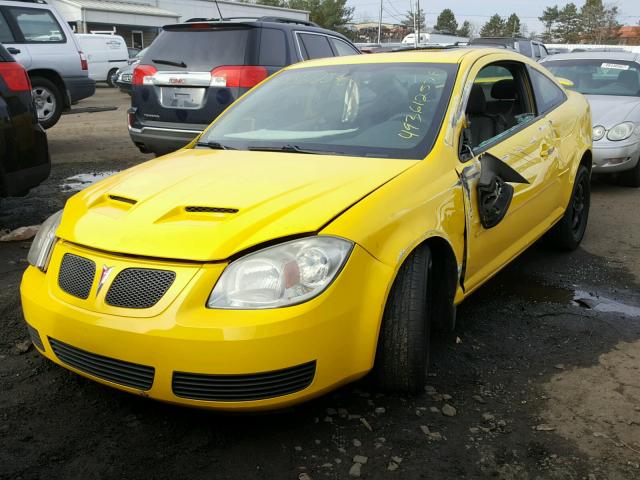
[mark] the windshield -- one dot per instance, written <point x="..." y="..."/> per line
<point x="383" y="110"/>
<point x="599" y="77"/>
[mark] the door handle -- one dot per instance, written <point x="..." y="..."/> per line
<point x="13" y="50"/>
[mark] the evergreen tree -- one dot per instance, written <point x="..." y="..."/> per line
<point x="512" y="27"/>
<point x="465" y="30"/>
<point x="331" y="14"/>
<point x="568" y="28"/>
<point x="446" y="22"/>
<point x="599" y="24"/>
<point x="494" y="27"/>
<point x="549" y="17"/>
<point x="420" y="20"/>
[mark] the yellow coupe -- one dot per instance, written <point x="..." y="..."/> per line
<point x="315" y="232"/>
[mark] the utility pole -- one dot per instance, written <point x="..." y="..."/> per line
<point x="418" y="20"/>
<point x="380" y="22"/>
<point x="413" y="14"/>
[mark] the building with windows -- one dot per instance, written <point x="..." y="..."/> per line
<point x="140" y="22"/>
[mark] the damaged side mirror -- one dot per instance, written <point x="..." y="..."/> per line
<point x="494" y="192"/>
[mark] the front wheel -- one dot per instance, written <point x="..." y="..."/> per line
<point x="112" y="77"/>
<point x="568" y="232"/>
<point x="48" y="101"/>
<point x="403" y="345"/>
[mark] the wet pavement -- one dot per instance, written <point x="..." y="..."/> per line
<point x="541" y="374"/>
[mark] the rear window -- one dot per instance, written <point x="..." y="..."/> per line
<point x="198" y="50"/>
<point x="315" y="46"/>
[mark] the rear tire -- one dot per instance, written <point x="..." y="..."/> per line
<point x="631" y="178"/>
<point x="403" y="345"/>
<point x="111" y="77"/>
<point x="48" y="100"/>
<point x="568" y="232"/>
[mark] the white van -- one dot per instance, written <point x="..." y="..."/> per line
<point x="411" y="39"/>
<point x="105" y="54"/>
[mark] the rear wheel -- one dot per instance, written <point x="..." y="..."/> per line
<point x="48" y="101"/>
<point x="111" y="77"/>
<point x="631" y="178"/>
<point x="403" y="345"/>
<point x="568" y="232"/>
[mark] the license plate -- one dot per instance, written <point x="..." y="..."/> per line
<point x="126" y="77"/>
<point x="182" y="97"/>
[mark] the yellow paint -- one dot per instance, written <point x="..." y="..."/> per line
<point x="387" y="207"/>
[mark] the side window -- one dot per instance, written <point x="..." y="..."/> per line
<point x="37" y="25"/>
<point x="548" y="94"/>
<point x="343" y="48"/>
<point x="543" y="51"/>
<point x="6" y="35"/>
<point x="273" y="49"/>
<point x="315" y="46"/>
<point x="499" y="104"/>
<point x="524" y="48"/>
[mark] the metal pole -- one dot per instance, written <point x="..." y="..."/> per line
<point x="418" y="19"/>
<point x="380" y="22"/>
<point x="413" y="14"/>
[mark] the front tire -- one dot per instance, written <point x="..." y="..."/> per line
<point x="568" y="232"/>
<point x="403" y="345"/>
<point x="48" y="101"/>
<point x="111" y="77"/>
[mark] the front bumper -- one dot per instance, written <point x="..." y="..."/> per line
<point x="612" y="158"/>
<point x="337" y="330"/>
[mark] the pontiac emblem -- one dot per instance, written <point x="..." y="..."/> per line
<point x="104" y="275"/>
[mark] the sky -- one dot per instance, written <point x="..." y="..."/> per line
<point x="478" y="12"/>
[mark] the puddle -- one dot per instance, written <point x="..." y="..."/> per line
<point x="603" y="304"/>
<point x="83" y="180"/>
<point x="533" y="290"/>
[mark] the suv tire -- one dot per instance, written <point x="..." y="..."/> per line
<point x="48" y="100"/>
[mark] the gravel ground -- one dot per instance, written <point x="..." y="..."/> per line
<point x="532" y="385"/>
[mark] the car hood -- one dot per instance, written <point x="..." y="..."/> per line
<point x="206" y="205"/>
<point x="610" y="110"/>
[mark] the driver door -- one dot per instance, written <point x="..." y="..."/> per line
<point x="511" y="171"/>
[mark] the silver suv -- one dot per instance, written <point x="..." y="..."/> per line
<point x="40" y="39"/>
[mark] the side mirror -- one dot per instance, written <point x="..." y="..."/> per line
<point x="494" y="193"/>
<point x="565" y="82"/>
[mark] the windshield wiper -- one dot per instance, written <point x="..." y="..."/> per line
<point x="215" y="146"/>
<point x="169" y="62"/>
<point x="288" y="149"/>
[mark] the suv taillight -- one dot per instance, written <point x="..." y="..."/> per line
<point x="15" y="76"/>
<point x="83" y="61"/>
<point x="238" y="76"/>
<point x="143" y="74"/>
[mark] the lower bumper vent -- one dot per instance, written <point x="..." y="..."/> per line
<point x="35" y="337"/>
<point x="237" y="388"/>
<point x="116" y="371"/>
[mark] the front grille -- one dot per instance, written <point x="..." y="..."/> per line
<point x="139" y="287"/>
<point x="116" y="371"/>
<point x="235" y="388"/>
<point x="76" y="275"/>
<point x="35" y="337"/>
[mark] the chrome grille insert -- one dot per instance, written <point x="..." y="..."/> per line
<point x="235" y="388"/>
<point x="139" y="287"/>
<point x="76" y="275"/>
<point x="117" y="371"/>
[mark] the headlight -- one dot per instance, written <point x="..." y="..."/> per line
<point x="40" y="251"/>
<point x="283" y="275"/>
<point x="598" y="132"/>
<point x="622" y="131"/>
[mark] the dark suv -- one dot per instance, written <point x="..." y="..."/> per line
<point x="194" y="70"/>
<point x="24" y="154"/>
<point x="529" y="48"/>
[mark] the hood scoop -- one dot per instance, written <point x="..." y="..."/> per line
<point x="197" y="213"/>
<point x="200" y="209"/>
<point x="120" y="198"/>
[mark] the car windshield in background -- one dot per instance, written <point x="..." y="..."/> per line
<point x="599" y="76"/>
<point x="376" y="110"/>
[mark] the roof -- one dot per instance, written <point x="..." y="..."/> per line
<point x="624" y="56"/>
<point x="116" y="6"/>
<point x="629" y="31"/>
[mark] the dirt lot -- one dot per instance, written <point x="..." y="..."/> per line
<point x="543" y="386"/>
